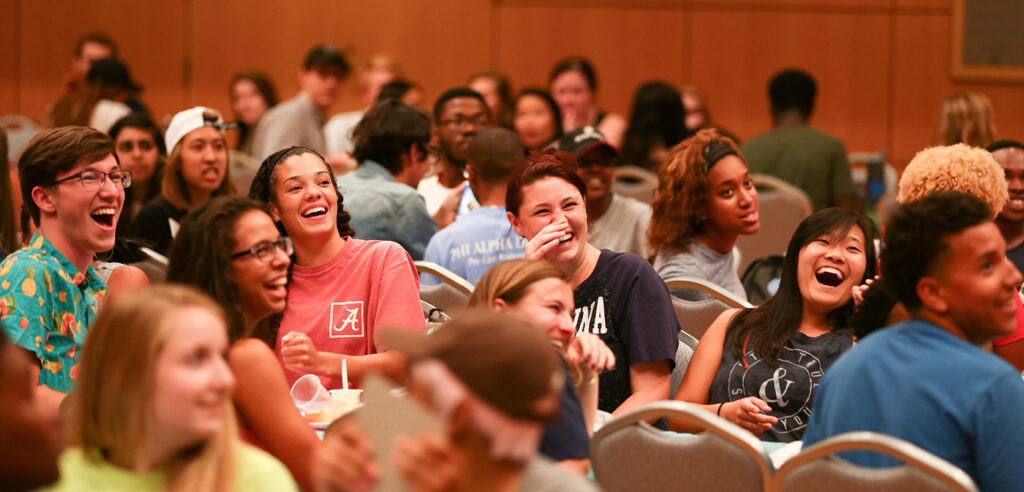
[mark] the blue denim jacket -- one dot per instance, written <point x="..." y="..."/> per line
<point x="384" y="209"/>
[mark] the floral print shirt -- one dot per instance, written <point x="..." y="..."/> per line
<point x="46" y="307"/>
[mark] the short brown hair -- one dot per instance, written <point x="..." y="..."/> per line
<point x="54" y="151"/>
<point x="549" y="163"/>
<point x="682" y="193"/>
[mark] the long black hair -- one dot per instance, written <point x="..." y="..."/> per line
<point x="772" y="324"/>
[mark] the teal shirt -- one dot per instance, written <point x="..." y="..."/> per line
<point x="47" y="306"/>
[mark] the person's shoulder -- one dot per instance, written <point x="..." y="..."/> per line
<point x="250" y="350"/>
<point x="284" y="111"/>
<point x="632" y="205"/>
<point x="824" y="138"/>
<point x="625" y="261"/>
<point x="27" y="257"/>
<point x="374" y="247"/>
<point x="257" y="471"/>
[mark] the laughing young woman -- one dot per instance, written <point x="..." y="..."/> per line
<point x="618" y="296"/>
<point x="197" y="170"/>
<point x="341" y="289"/>
<point x="758" y="367"/>
<point x="704" y="201"/>
<point x="230" y="249"/>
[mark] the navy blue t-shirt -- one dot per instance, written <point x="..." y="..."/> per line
<point x="566" y="438"/>
<point x="626" y="304"/>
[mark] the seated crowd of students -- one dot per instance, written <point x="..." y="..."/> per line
<point x="308" y="269"/>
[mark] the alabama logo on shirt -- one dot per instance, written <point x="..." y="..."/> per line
<point x="347" y="320"/>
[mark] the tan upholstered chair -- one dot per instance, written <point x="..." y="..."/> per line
<point x="695" y="317"/>
<point x="782" y="207"/>
<point x="630" y="455"/>
<point x="451" y="294"/>
<point x="815" y="468"/>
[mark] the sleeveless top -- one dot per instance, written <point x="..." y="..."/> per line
<point x="789" y="388"/>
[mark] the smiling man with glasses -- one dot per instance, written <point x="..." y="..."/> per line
<point x="459" y="114"/>
<point x="73" y="190"/>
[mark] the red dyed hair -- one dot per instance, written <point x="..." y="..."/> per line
<point x="549" y="163"/>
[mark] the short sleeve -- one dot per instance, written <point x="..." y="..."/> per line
<point x="649" y="321"/>
<point x="1019" y="334"/>
<point x="398" y="303"/>
<point x="25" y="287"/>
<point x="999" y="434"/>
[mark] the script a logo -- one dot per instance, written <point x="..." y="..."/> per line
<point x="347" y="320"/>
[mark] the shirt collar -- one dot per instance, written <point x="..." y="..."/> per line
<point x="67" y="269"/>
<point x="372" y="168"/>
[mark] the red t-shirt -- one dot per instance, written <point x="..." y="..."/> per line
<point x="340" y="304"/>
<point x="1019" y="334"/>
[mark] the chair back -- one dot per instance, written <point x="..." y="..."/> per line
<point x="451" y="294"/>
<point x="815" y="468"/>
<point x="684" y="352"/>
<point x="781" y="207"/>
<point x="19" y="129"/>
<point x="635" y="182"/>
<point x="709" y="288"/>
<point x="628" y="454"/>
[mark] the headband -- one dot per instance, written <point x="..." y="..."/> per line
<point x="714" y="152"/>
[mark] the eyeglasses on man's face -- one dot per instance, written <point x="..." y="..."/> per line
<point x="92" y="179"/>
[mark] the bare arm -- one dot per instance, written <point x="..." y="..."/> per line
<point x="48" y="399"/>
<point x="299" y="354"/>
<point x="701" y="372"/>
<point x="262" y="397"/>
<point x="650" y="382"/>
<point x="126" y="278"/>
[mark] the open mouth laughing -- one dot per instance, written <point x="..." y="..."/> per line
<point x="104" y="216"/>
<point x="829" y="276"/>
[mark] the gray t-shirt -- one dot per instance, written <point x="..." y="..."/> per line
<point x="703" y="263"/>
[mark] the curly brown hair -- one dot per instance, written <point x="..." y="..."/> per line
<point x="681" y="198"/>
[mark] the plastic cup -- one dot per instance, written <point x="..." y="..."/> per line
<point x="344" y="401"/>
<point x="309" y="395"/>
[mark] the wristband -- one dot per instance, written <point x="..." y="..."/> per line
<point x="719" y="412"/>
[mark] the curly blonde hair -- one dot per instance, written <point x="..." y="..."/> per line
<point x="681" y="198"/>
<point x="955" y="168"/>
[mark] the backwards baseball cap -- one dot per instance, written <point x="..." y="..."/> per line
<point x="191" y="119"/>
<point x="506" y="361"/>
<point x="583" y="140"/>
<point x="110" y="71"/>
<point x="325" y="55"/>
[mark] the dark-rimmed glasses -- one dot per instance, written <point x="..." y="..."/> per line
<point x="265" y="250"/>
<point x="93" y="180"/>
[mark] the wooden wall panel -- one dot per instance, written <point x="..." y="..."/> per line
<point x="920" y="80"/>
<point x="627" y="46"/>
<point x="736" y="53"/>
<point x="149" y="35"/>
<point x="436" y="45"/>
<point x="9" y="88"/>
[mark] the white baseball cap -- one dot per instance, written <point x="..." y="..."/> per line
<point x="191" y="119"/>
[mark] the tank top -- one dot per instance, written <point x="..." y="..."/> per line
<point x="788" y="388"/>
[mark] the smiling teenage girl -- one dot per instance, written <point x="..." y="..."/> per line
<point x="342" y="289"/>
<point x="617" y="295"/>
<point x="758" y="367"/>
<point x="230" y="248"/>
<point x="704" y="201"/>
<point x="152" y="408"/>
<point x="197" y="170"/>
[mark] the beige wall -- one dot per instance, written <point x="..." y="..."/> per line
<point x="882" y="65"/>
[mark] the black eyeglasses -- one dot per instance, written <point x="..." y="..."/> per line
<point x="265" y="250"/>
<point x="94" y="180"/>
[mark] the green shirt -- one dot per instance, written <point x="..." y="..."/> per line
<point x="47" y="306"/>
<point x="254" y="471"/>
<point x="811" y="160"/>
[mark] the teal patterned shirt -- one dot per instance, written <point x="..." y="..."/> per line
<point x="46" y="307"/>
